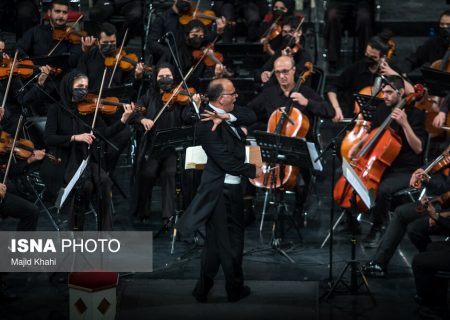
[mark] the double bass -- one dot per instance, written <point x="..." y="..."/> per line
<point x="289" y="122"/>
<point x="378" y="152"/>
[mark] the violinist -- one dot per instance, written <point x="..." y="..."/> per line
<point x="69" y="139"/>
<point x="441" y="117"/>
<point x="360" y="74"/>
<point x="433" y="49"/>
<point x="168" y="26"/>
<point x="150" y="166"/>
<point x="409" y="126"/>
<point x="273" y="97"/>
<point x="402" y="221"/>
<point x="38" y="41"/>
<point x="290" y="46"/>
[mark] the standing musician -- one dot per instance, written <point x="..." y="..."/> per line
<point x="168" y="26"/>
<point x="290" y="46"/>
<point x="360" y="74"/>
<point x="409" y="126"/>
<point x="149" y="165"/>
<point x="218" y="202"/>
<point x="281" y="95"/>
<point x="38" y="41"/>
<point x="70" y="140"/>
<point x="92" y="63"/>
<point x="402" y="221"/>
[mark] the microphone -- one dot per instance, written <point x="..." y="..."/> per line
<point x="164" y="37"/>
<point x="386" y="81"/>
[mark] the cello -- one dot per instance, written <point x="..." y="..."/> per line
<point x="378" y="152"/>
<point x="289" y="122"/>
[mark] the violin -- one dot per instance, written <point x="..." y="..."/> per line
<point x="204" y="16"/>
<point x="22" y="68"/>
<point x="107" y="106"/>
<point x="68" y="34"/>
<point x="23" y="149"/>
<point x="441" y="162"/>
<point x="273" y="32"/>
<point x="181" y="97"/>
<point x="211" y="59"/>
<point x="442" y="199"/>
<point x="127" y="62"/>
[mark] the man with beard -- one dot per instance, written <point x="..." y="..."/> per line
<point x="168" y="26"/>
<point x="38" y="41"/>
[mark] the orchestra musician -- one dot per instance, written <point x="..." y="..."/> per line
<point x="38" y="41"/>
<point x="69" y="139"/>
<point x="218" y="202"/>
<point x="409" y="126"/>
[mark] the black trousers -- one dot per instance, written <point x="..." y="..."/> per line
<point x="224" y="242"/>
<point x="16" y="207"/>
<point x="391" y="182"/>
<point x="165" y="169"/>
<point x="335" y="17"/>
<point x="432" y="290"/>
<point x="121" y="140"/>
<point x="400" y="223"/>
<point x="92" y="187"/>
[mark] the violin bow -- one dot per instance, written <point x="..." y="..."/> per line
<point x="19" y="125"/>
<point x="117" y="58"/>
<point x="68" y="28"/>
<point x="9" y="80"/>
<point x="97" y="103"/>
<point x="196" y="9"/>
<point x="186" y="77"/>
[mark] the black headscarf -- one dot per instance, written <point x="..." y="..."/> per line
<point x="290" y="5"/>
<point x="66" y="85"/>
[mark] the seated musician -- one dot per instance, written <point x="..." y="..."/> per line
<point x="281" y="95"/>
<point x="441" y="118"/>
<point x="150" y="165"/>
<point x="69" y="138"/>
<point x="168" y="25"/>
<point x="360" y="74"/>
<point x="92" y="63"/>
<point x="433" y="49"/>
<point x="409" y="126"/>
<point x="433" y="257"/>
<point x="402" y="221"/>
<point x="38" y="41"/>
<point x="290" y="40"/>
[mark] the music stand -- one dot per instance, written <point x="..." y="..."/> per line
<point x="368" y="197"/>
<point x="276" y="149"/>
<point x="179" y="139"/>
<point x="438" y="82"/>
<point x="367" y="105"/>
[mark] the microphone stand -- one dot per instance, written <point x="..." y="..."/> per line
<point x="331" y="147"/>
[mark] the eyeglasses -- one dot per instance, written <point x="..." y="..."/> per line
<point x="284" y="72"/>
<point x="234" y="93"/>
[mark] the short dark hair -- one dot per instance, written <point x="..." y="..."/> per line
<point x="292" y="21"/>
<point x="380" y="41"/>
<point x="214" y="90"/>
<point x="108" y="28"/>
<point x="396" y="82"/>
<point x="445" y="13"/>
<point x="60" y="2"/>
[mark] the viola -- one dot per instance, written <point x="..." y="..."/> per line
<point x="69" y="34"/>
<point x="127" y="62"/>
<point x="378" y="152"/>
<point x="289" y="122"/>
<point x="22" y="68"/>
<point x="181" y="96"/>
<point x="23" y="149"/>
<point x="107" y="106"/>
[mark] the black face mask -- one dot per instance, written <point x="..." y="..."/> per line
<point x="107" y="49"/>
<point x="277" y="13"/>
<point x="288" y="40"/>
<point x="444" y="33"/>
<point x="183" y="7"/>
<point x="195" y="42"/>
<point x="370" y="62"/>
<point x="79" y="94"/>
<point x="165" y="84"/>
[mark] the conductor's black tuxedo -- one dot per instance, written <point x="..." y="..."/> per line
<point x="219" y="204"/>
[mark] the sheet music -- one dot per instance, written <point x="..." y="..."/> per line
<point x="196" y="157"/>
<point x="64" y="192"/>
<point x="350" y="175"/>
<point x="314" y="155"/>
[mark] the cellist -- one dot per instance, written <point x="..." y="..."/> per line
<point x="409" y="126"/>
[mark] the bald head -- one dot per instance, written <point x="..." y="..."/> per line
<point x="284" y="61"/>
<point x="284" y="69"/>
<point x="222" y="94"/>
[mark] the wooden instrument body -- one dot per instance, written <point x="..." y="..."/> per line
<point x="354" y="136"/>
